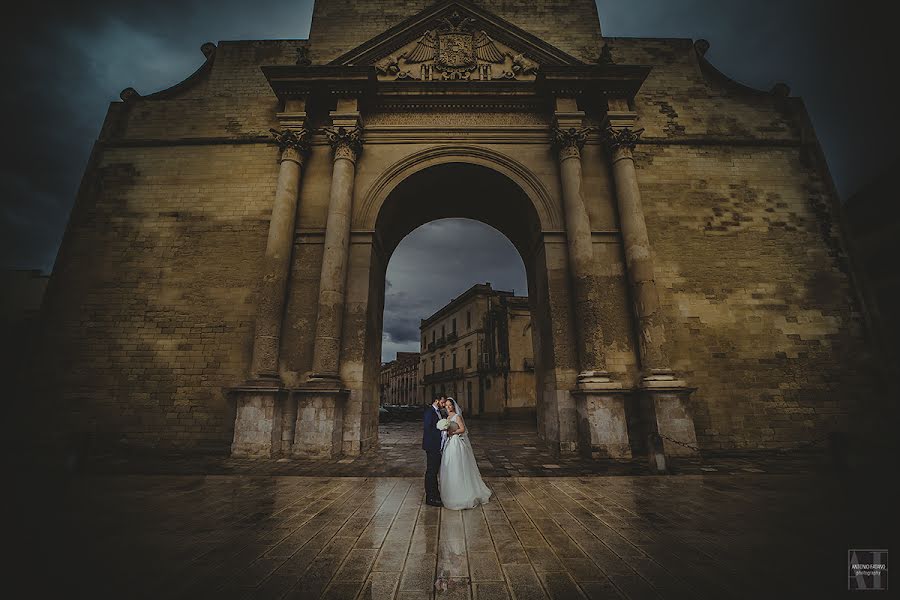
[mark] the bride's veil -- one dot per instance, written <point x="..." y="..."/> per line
<point x="455" y="406"/>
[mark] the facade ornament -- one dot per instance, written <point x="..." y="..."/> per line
<point x="453" y="50"/>
<point x="569" y="142"/>
<point x="521" y="66"/>
<point x="606" y="56"/>
<point x="303" y="56"/>
<point x="347" y="143"/>
<point x="129" y="94"/>
<point x="621" y="138"/>
<point x="294" y="143"/>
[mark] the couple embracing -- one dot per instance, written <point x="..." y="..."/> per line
<point x="450" y="459"/>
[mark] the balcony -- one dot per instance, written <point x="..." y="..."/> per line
<point x="440" y="342"/>
<point x="452" y="337"/>
<point x="431" y="346"/>
<point x="448" y="375"/>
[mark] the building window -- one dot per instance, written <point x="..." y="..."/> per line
<point x="468" y="357"/>
<point x="443" y="363"/>
<point x="453" y="326"/>
<point x="468" y="319"/>
<point x="432" y="366"/>
<point x="454" y="360"/>
<point x="443" y="332"/>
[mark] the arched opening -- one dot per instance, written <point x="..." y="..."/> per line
<point x="456" y="300"/>
<point x="462" y="190"/>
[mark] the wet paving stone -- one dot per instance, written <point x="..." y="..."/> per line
<point x="242" y="536"/>
<point x="219" y="528"/>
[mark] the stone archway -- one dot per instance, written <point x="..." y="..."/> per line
<point x="464" y="182"/>
<point x="332" y="407"/>
<point x="452" y="185"/>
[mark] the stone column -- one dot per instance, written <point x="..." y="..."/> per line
<point x="333" y="280"/>
<point x="277" y="259"/>
<point x="261" y="401"/>
<point x="589" y="334"/>
<point x="600" y="402"/>
<point x="321" y="400"/>
<point x="664" y="398"/>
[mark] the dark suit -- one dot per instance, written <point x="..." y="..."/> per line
<point x="431" y="444"/>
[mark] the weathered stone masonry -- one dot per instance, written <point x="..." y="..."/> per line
<point x="192" y="290"/>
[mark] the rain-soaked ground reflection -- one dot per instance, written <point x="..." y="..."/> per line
<point x="717" y="535"/>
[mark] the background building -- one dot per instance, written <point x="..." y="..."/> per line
<point x="400" y="380"/>
<point x="478" y="349"/>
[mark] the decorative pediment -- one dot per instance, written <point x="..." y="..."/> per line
<point x="456" y="41"/>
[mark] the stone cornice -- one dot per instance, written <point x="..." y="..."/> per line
<point x="525" y="134"/>
<point x="619" y="81"/>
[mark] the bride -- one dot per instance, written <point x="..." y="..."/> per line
<point x="461" y="484"/>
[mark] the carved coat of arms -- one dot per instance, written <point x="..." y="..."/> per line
<point x="455" y="48"/>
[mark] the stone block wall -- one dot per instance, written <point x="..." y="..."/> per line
<point x="148" y="318"/>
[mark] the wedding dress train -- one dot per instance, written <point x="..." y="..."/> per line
<point x="461" y="483"/>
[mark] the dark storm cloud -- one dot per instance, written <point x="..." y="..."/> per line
<point x="436" y="263"/>
<point x="63" y="62"/>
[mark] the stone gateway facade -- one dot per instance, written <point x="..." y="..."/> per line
<point x="221" y="281"/>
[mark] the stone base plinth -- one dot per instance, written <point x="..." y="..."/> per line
<point x="602" y="426"/>
<point x="665" y="411"/>
<point x="257" y="421"/>
<point x="320" y="422"/>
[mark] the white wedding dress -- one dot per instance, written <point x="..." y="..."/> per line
<point x="461" y="484"/>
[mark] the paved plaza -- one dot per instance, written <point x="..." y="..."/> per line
<point x="710" y="536"/>
<point x="721" y="528"/>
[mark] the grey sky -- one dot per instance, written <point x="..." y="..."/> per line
<point x="65" y="61"/>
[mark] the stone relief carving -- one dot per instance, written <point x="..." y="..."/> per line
<point x="347" y="143"/>
<point x="621" y="138"/>
<point x="456" y="50"/>
<point x="569" y="142"/>
<point x="294" y="143"/>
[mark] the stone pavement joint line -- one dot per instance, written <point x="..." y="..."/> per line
<point x="539" y="537"/>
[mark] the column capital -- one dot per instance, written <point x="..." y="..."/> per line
<point x="346" y="142"/>
<point x="294" y="143"/>
<point x="621" y="139"/>
<point x="569" y="142"/>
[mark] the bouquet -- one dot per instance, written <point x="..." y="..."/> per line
<point x="443" y="424"/>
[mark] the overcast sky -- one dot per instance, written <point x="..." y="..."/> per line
<point x="63" y="62"/>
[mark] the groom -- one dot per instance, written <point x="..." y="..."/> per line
<point x="431" y="444"/>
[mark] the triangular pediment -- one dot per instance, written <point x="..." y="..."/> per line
<point x="456" y="41"/>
